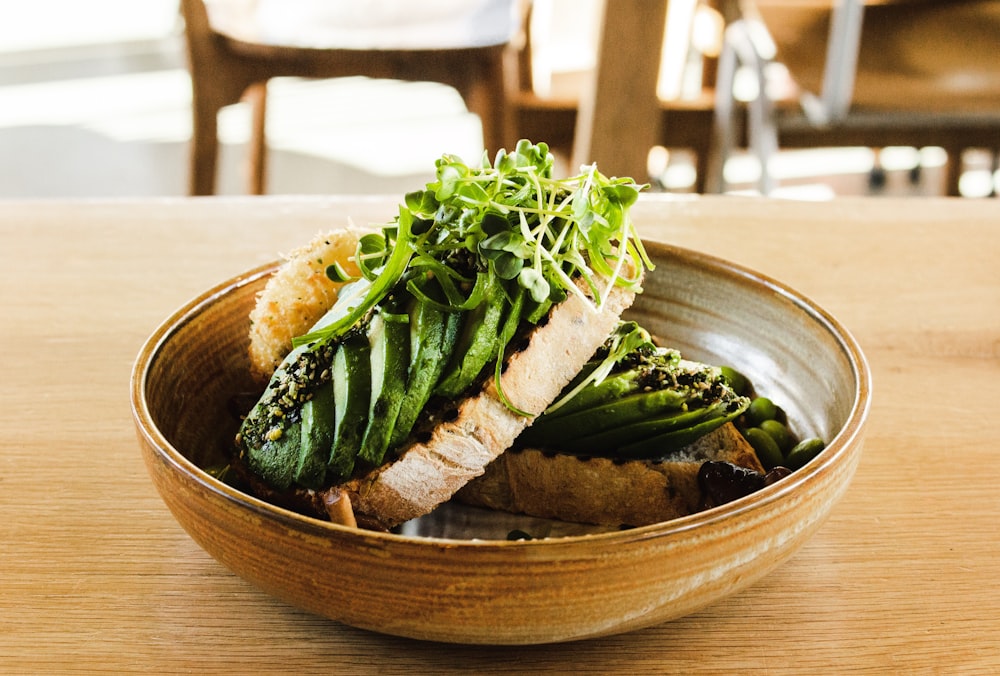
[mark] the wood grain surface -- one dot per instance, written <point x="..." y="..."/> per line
<point x="95" y="575"/>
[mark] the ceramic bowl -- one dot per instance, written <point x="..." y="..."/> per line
<point x="456" y="585"/>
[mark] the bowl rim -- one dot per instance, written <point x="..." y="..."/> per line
<point x="837" y="447"/>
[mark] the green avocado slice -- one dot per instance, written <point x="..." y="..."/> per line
<point x="317" y="437"/>
<point x="669" y="442"/>
<point x="389" y="335"/>
<point x="606" y="415"/>
<point x="433" y="335"/>
<point x="275" y="460"/>
<point x="351" y="394"/>
<point x="477" y="342"/>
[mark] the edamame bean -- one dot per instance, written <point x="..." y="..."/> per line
<point x="737" y="380"/>
<point x="803" y="452"/>
<point x="761" y="409"/>
<point x="777" y="431"/>
<point x="767" y="450"/>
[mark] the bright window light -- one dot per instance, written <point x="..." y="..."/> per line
<point x="44" y="24"/>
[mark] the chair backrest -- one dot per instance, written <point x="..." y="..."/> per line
<point x="927" y="73"/>
<point x="229" y="63"/>
<point x="819" y="41"/>
<point x="933" y="55"/>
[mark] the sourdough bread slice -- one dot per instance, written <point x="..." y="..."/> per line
<point x="481" y="427"/>
<point x="604" y="491"/>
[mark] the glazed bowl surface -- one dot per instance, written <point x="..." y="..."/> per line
<point x="453" y="576"/>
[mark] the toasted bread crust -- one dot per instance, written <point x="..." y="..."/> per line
<point x="296" y="296"/>
<point x="429" y="473"/>
<point x="603" y="491"/>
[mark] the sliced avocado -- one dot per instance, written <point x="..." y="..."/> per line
<point x="512" y="319"/>
<point x="433" y="335"/>
<point x="607" y="415"/>
<point x="618" y="437"/>
<point x="477" y="342"/>
<point x="670" y="442"/>
<point x="611" y="388"/>
<point x="271" y="442"/>
<point x="275" y="460"/>
<point x="352" y="384"/>
<point x="318" y="416"/>
<point x="389" y="336"/>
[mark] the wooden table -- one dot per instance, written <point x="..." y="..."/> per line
<point x="96" y="575"/>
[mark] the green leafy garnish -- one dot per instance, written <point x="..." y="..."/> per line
<point x="510" y="219"/>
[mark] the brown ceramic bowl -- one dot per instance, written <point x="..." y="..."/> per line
<point x="467" y="583"/>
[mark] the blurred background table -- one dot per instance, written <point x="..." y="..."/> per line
<point x="98" y="576"/>
<point x="99" y="103"/>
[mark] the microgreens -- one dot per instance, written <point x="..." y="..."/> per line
<point x="541" y="236"/>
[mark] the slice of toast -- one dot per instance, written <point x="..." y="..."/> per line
<point x="481" y="427"/>
<point x="604" y="491"/>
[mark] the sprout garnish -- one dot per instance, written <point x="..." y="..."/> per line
<point x="511" y="220"/>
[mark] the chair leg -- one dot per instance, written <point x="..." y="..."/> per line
<point x="724" y="119"/>
<point x="484" y="96"/>
<point x="204" y="149"/>
<point x="877" y="177"/>
<point x="763" y="136"/>
<point x="702" y="161"/>
<point x="220" y="78"/>
<point x="762" y="128"/>
<point x="256" y="94"/>
<point x="994" y="167"/>
<point x="953" y="172"/>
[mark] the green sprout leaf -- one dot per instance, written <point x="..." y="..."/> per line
<point x="541" y="237"/>
<point x="336" y="273"/>
<point x="535" y="283"/>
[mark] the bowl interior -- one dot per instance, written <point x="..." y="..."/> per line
<point x="197" y="383"/>
<point x="793" y="351"/>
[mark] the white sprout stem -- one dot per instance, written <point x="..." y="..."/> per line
<point x="619" y="264"/>
<point x="568" y="283"/>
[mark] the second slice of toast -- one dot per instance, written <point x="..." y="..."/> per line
<point x="605" y="491"/>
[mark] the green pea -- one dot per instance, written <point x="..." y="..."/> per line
<point x="761" y="409"/>
<point x="804" y="451"/>
<point x="767" y="450"/>
<point x="737" y="381"/>
<point x="777" y="431"/>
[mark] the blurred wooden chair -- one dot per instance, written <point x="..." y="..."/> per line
<point x="871" y="73"/>
<point x="230" y="60"/>
<point x="612" y="114"/>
